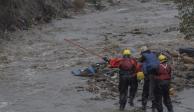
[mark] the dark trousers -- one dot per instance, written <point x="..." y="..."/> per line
<point x="148" y="88"/>
<point x="124" y="82"/>
<point x="146" y="93"/>
<point x="161" y="93"/>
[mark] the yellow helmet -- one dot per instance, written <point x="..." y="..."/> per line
<point x="140" y="76"/>
<point x="127" y="52"/>
<point x="162" y="58"/>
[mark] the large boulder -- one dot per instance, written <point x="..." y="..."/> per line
<point x="189" y="67"/>
<point x="188" y="60"/>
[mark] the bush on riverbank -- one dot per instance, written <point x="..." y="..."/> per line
<point x="186" y="13"/>
<point x="20" y="14"/>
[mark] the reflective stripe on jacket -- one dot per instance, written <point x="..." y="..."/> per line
<point x="164" y="72"/>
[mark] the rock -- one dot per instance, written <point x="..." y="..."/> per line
<point x="192" y="82"/>
<point x="79" y="4"/>
<point x="170" y="29"/>
<point x="180" y="75"/>
<point x="188" y="60"/>
<point x="187" y="37"/>
<point x="189" y="67"/>
<point x="101" y="79"/>
<point x="136" y="31"/>
<point x="144" y="1"/>
<point x="114" y="2"/>
<point x="179" y="83"/>
<point x="189" y="76"/>
<point x="4" y="59"/>
<point x="174" y="54"/>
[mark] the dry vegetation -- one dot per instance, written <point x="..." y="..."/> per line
<point x="186" y="13"/>
<point x="22" y="13"/>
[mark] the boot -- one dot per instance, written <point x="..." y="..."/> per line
<point x="131" y="102"/>
<point x="153" y="110"/>
<point x="144" y="103"/>
<point x="121" y="107"/>
<point x="171" y="110"/>
<point x="144" y="108"/>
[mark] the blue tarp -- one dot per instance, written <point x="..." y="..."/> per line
<point x="89" y="71"/>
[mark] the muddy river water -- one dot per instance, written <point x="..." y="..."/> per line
<point x="35" y="66"/>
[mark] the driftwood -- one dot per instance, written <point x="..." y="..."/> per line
<point x="188" y="51"/>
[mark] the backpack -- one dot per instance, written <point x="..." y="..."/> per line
<point x="127" y="64"/>
<point x="151" y="63"/>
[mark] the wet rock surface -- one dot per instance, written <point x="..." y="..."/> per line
<point x="35" y="67"/>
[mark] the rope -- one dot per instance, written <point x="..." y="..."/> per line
<point x="79" y="46"/>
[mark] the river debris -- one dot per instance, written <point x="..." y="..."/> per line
<point x="183" y="68"/>
<point x="137" y="31"/>
<point x="104" y="82"/>
<point x="188" y="51"/>
<point x="105" y="86"/>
